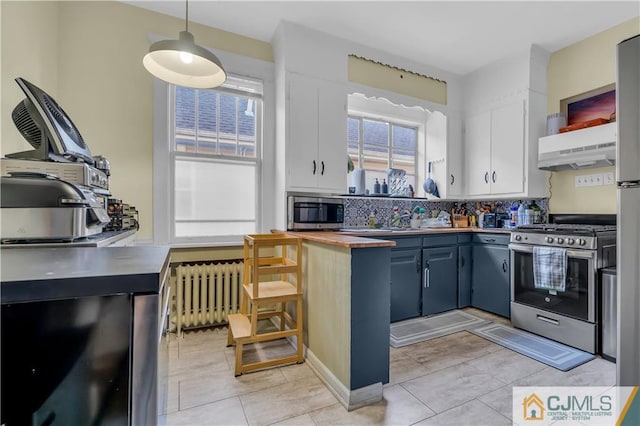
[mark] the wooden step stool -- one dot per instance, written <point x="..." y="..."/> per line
<point x="281" y="262"/>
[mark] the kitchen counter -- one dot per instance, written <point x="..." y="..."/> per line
<point x="84" y="318"/>
<point x="364" y="237"/>
<point x="103" y="239"/>
<point x="35" y="274"/>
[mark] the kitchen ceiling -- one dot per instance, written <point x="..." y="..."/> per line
<point x="457" y="36"/>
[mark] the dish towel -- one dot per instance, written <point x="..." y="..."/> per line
<point x="549" y="268"/>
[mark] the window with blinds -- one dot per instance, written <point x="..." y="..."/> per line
<point x="215" y="153"/>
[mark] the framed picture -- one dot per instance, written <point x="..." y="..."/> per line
<point x="597" y="103"/>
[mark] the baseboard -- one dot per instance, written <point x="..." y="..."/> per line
<point x="350" y="399"/>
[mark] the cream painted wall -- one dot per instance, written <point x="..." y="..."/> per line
<point x="28" y="51"/>
<point x="88" y="55"/>
<point x="583" y="66"/>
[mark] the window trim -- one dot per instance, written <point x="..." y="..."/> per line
<point x="361" y="117"/>
<point x="164" y="167"/>
<point x="382" y="108"/>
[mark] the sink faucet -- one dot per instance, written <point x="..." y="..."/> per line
<point x="396" y="217"/>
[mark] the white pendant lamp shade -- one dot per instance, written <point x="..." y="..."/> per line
<point x="184" y="63"/>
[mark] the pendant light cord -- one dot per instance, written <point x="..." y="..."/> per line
<point x="187" y="14"/>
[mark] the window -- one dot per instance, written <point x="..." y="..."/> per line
<point x="215" y="155"/>
<point x="377" y="145"/>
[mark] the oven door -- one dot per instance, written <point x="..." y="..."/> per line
<point x="579" y="298"/>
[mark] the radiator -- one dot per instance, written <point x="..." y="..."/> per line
<point x="206" y="294"/>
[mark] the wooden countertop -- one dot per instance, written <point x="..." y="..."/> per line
<point x="362" y="238"/>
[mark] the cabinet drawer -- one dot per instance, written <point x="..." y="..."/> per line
<point x="402" y="243"/>
<point x="502" y="239"/>
<point x="439" y="240"/>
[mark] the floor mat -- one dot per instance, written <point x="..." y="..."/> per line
<point x="416" y="330"/>
<point x="544" y="350"/>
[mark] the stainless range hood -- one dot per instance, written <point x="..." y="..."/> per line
<point x="579" y="149"/>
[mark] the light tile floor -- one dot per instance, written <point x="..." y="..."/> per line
<point x="460" y="379"/>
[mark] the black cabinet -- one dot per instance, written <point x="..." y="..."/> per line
<point x="490" y="289"/>
<point x="439" y="274"/>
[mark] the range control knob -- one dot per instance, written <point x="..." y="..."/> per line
<point x="560" y="240"/>
<point x="517" y="237"/>
<point x="570" y="241"/>
<point x="549" y="239"/>
<point x="582" y="241"/>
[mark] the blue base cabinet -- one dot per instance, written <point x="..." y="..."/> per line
<point x="490" y="289"/>
<point x="464" y="270"/>
<point x="439" y="274"/>
<point x="405" y="284"/>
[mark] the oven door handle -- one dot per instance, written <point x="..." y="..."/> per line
<point x="548" y="320"/>
<point x="580" y="254"/>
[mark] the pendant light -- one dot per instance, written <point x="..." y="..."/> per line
<point x="184" y="63"/>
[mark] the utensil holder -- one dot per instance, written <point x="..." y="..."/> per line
<point x="459" y="221"/>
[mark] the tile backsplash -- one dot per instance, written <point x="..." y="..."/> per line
<point x="358" y="209"/>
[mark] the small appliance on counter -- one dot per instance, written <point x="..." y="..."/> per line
<point x="489" y="220"/>
<point x="42" y="207"/>
<point x="123" y="217"/>
<point x="75" y="173"/>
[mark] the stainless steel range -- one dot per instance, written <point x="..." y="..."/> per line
<point x="561" y="301"/>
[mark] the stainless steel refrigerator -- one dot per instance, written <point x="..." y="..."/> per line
<point x="628" y="183"/>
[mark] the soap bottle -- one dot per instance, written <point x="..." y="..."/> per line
<point x="385" y="187"/>
<point x="376" y="187"/>
<point x="536" y="212"/>
<point x="372" y="220"/>
<point x="513" y="211"/>
<point x="522" y="216"/>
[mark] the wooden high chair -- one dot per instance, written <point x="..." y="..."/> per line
<point x="268" y="296"/>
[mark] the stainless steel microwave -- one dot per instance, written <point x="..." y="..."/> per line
<point x="309" y="213"/>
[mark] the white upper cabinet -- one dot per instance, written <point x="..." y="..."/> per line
<point x="316" y="140"/>
<point x="507" y="148"/>
<point x="477" y="139"/>
<point x="444" y="151"/>
<point x="505" y="117"/>
<point x="496" y="152"/>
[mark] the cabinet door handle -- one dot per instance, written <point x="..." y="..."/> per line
<point x="322" y="172"/>
<point x="314" y="167"/>
<point x="427" y="279"/>
<point x="453" y="179"/>
<point x="486" y="177"/>
<point x="504" y="266"/>
<point x="462" y="261"/>
<point x="493" y="176"/>
<point x="490" y="240"/>
<point x="417" y="265"/>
